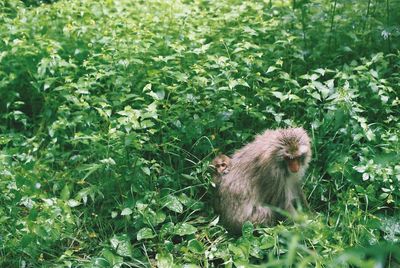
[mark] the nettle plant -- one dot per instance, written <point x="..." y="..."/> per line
<point x="110" y="113"/>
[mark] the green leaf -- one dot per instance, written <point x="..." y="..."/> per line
<point x="145" y="233"/>
<point x="267" y="241"/>
<point x="126" y="211"/>
<point x="196" y="246"/>
<point x="321" y="88"/>
<point x="185" y="229"/>
<point x="191" y="265"/>
<point x="173" y="203"/>
<point x="279" y="95"/>
<point x="146" y="171"/>
<point x="156" y="218"/>
<point x="113" y="260"/>
<point x="147" y="87"/>
<point x="65" y="193"/>
<point x="108" y="161"/>
<point x="232" y="83"/>
<point x="122" y="245"/>
<point x="237" y="251"/>
<point x="73" y="203"/>
<point x="247" y="229"/>
<point x="160" y="94"/>
<point x="271" y="69"/>
<point x="189" y="177"/>
<point x="167" y="228"/>
<point x="320" y="71"/>
<point x="165" y="260"/>
<point x="100" y="262"/>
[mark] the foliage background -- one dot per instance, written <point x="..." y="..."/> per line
<point x="111" y="111"/>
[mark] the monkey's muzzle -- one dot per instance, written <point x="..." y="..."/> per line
<point x="294" y="165"/>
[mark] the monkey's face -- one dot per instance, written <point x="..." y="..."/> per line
<point x="294" y="149"/>
<point x="295" y="158"/>
<point x="221" y="164"/>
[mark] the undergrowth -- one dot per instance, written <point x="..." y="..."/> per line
<point x="111" y="111"/>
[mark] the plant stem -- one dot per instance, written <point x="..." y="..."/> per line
<point x="303" y="26"/>
<point x="387" y="25"/>
<point x="332" y="21"/>
<point x="367" y="15"/>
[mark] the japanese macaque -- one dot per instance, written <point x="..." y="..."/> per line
<point x="264" y="174"/>
<point x="221" y="165"/>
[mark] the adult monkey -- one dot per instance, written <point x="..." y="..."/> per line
<point x="265" y="173"/>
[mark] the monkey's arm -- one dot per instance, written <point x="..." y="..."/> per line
<point x="302" y="197"/>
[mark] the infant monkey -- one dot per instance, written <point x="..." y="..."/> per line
<point x="265" y="172"/>
<point x="221" y="165"/>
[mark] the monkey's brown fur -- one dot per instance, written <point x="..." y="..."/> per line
<point x="260" y="177"/>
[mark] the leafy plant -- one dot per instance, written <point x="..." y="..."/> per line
<point x="111" y="111"/>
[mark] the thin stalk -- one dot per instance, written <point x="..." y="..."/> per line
<point x="387" y="12"/>
<point x="387" y="24"/>
<point x="332" y="21"/>
<point x="373" y="13"/>
<point x="367" y="15"/>
<point x="303" y="26"/>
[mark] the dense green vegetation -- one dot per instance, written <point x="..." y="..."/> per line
<point x="111" y="111"/>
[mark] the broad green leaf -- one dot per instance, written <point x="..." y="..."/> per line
<point x="185" y="229"/>
<point x="196" y="246"/>
<point x="145" y="233"/>
<point x="65" y="193"/>
<point x="321" y="88"/>
<point x="73" y="203"/>
<point x="108" y="161"/>
<point x="100" y="262"/>
<point x="165" y="260"/>
<point x="146" y="171"/>
<point x="247" y="229"/>
<point x="156" y="217"/>
<point x="113" y="260"/>
<point x="126" y="211"/>
<point x="279" y="95"/>
<point x="173" y="203"/>
<point x="271" y="69"/>
<point x="147" y="87"/>
<point x="122" y="245"/>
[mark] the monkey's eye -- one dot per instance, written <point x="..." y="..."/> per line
<point x="223" y="165"/>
